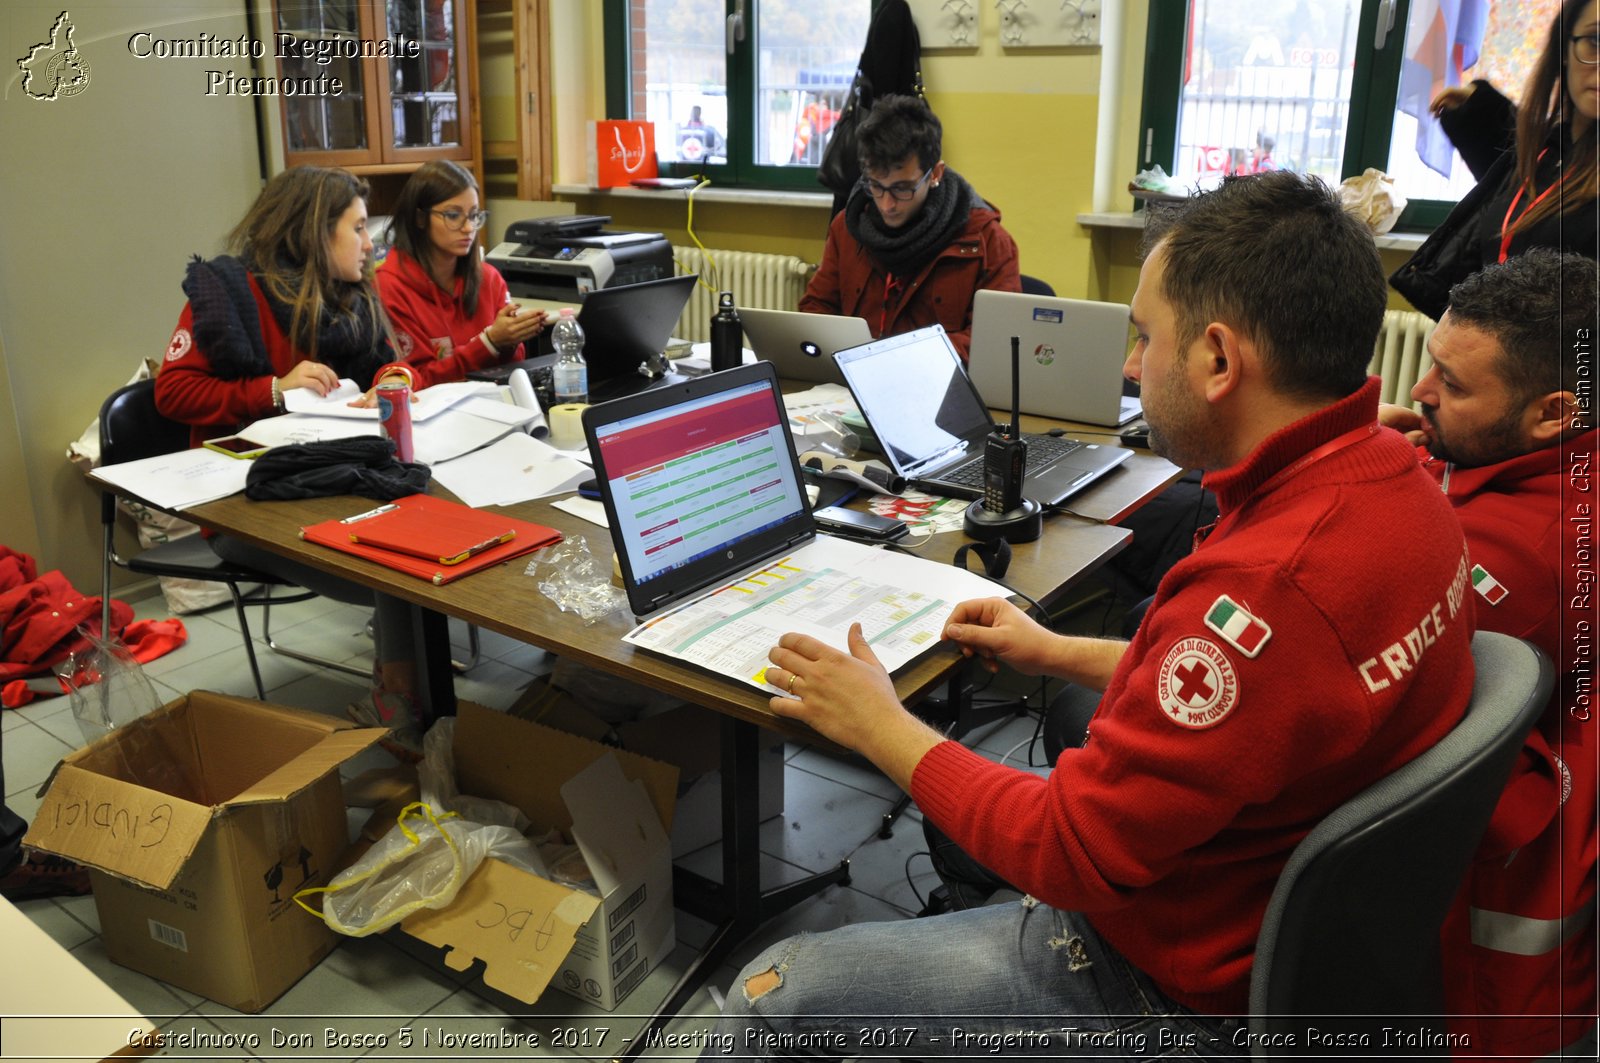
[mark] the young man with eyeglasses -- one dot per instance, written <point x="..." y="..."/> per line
<point x="915" y="241"/>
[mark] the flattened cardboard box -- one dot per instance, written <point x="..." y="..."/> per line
<point x="199" y="822"/>
<point x="529" y="933"/>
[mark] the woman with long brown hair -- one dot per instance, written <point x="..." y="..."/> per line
<point x="292" y="307"/>
<point x="1535" y="164"/>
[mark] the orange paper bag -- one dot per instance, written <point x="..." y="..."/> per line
<point x="620" y="152"/>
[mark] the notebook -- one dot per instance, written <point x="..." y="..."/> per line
<point x="802" y="346"/>
<point x="699" y="482"/>
<point x="931" y="423"/>
<point x="417" y="535"/>
<point x="1072" y="351"/>
<point x="622" y="327"/>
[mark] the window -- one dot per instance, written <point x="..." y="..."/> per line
<point x="1328" y="87"/>
<point x="744" y="91"/>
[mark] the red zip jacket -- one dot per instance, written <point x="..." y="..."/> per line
<point x="1519" y="947"/>
<point x="850" y="283"/>
<point x="435" y="336"/>
<point x="1303" y="651"/>
<point x="188" y="388"/>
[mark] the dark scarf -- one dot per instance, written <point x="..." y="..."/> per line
<point x="905" y="251"/>
<point x="228" y="328"/>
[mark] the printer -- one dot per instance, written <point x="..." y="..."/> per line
<point x="564" y="258"/>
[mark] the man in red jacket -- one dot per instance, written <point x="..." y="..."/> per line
<point x="1507" y="429"/>
<point x="914" y="242"/>
<point x="1303" y="651"/>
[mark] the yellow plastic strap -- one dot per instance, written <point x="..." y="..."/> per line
<point x="415" y="809"/>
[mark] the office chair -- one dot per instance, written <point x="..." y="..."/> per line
<point x="1035" y="286"/>
<point x="132" y="428"/>
<point x="1352" y="929"/>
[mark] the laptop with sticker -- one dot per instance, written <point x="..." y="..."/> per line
<point x="931" y="423"/>
<point x="1072" y="355"/>
<point x="802" y="345"/>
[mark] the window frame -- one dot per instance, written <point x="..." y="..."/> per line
<point x="1375" y="83"/>
<point x="741" y="169"/>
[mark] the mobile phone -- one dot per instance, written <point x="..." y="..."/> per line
<point x="860" y="525"/>
<point x="237" y="446"/>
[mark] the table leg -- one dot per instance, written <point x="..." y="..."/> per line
<point x="737" y="904"/>
<point x="431" y="650"/>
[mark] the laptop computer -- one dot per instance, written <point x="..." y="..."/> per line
<point x="699" y="481"/>
<point x="802" y="346"/>
<point x="1072" y="354"/>
<point x="931" y="423"/>
<point x="622" y="327"/>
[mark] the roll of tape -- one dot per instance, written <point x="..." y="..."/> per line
<point x="566" y="425"/>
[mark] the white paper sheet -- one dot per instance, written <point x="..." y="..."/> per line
<point x="178" y="480"/>
<point x="336" y="403"/>
<point x="513" y="469"/>
<point x="821" y="589"/>
<point x="587" y="509"/>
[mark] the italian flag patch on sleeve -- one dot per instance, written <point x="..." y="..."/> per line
<point x="1240" y="628"/>
<point x="1491" y="589"/>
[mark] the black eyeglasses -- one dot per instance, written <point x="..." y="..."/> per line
<point x="456" y="220"/>
<point x="900" y="191"/>
<point x="1586" y="48"/>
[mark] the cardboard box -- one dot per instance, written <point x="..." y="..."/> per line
<point x="199" y="822"/>
<point x="689" y="737"/>
<point x="528" y="932"/>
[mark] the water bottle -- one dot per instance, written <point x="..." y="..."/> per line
<point x="569" y="378"/>
<point x="727" y="335"/>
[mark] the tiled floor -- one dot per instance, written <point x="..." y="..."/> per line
<point x="832" y="811"/>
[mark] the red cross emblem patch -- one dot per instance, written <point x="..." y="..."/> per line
<point x="1197" y="685"/>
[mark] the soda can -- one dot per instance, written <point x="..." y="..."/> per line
<point x="394" y="417"/>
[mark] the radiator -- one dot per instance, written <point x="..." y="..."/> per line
<point x="768" y="282"/>
<point x="1401" y="357"/>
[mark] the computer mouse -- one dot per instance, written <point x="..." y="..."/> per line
<point x="1136" y="435"/>
<point x="1057" y="432"/>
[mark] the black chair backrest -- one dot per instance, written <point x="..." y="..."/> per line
<point x="132" y="428"/>
<point x="1353" y="925"/>
<point x="1035" y="286"/>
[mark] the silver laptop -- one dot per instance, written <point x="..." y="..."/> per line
<point x="802" y="346"/>
<point x="931" y="425"/>
<point x="1072" y="352"/>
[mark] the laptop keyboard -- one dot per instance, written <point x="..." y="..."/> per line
<point x="1041" y="451"/>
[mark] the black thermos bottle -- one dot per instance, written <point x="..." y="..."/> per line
<point x="727" y="335"/>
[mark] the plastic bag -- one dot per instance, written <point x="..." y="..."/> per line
<point x="429" y="854"/>
<point x="1373" y="198"/>
<point x="570" y="575"/>
<point x="106" y="686"/>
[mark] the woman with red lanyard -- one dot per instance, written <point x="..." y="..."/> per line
<point x="1536" y="165"/>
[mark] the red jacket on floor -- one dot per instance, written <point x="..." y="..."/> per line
<point x="1520" y="945"/>
<point x="432" y="329"/>
<point x="1303" y="651"/>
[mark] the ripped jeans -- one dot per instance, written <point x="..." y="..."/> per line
<point x="1019" y="978"/>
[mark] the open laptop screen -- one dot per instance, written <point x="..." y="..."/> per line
<point x="916" y="396"/>
<point x="699" y="480"/>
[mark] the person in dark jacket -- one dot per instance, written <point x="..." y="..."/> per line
<point x="1536" y="166"/>
<point x="915" y="242"/>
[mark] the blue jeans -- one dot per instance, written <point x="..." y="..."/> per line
<point x="1019" y="978"/>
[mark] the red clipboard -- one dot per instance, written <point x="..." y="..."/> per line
<point x="420" y="531"/>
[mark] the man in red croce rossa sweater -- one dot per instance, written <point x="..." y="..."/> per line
<point x="1303" y="651"/>
<point x="1505" y="435"/>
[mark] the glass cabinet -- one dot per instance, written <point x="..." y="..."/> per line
<point x="406" y="82"/>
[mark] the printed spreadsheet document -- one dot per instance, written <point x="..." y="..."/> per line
<point x="901" y="602"/>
